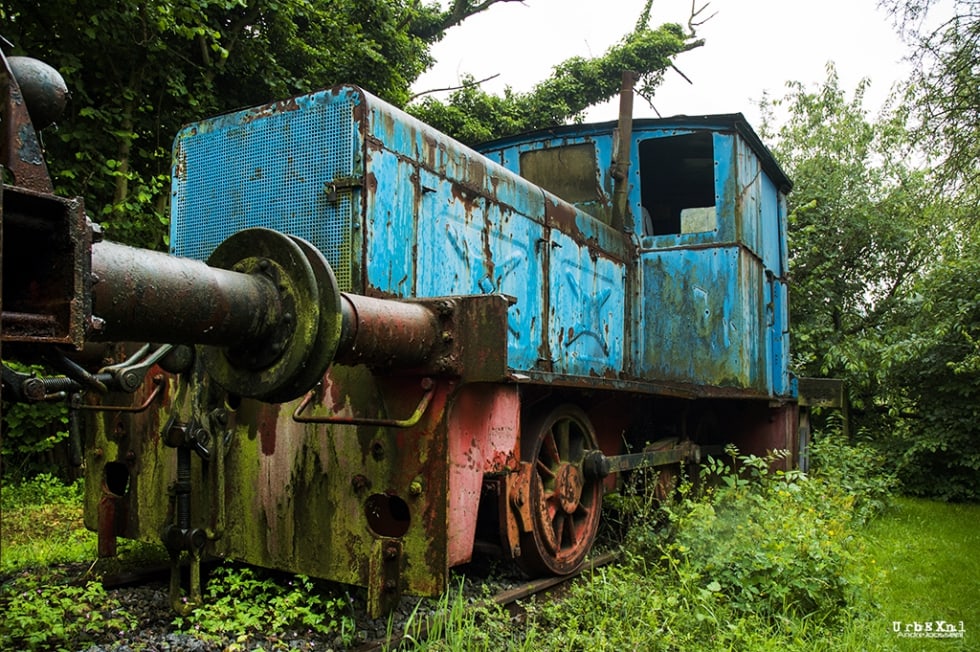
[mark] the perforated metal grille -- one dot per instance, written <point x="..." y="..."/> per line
<point x="271" y="167"/>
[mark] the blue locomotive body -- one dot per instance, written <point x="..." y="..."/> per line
<point x="685" y="291"/>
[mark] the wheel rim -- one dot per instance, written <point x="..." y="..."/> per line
<point x="565" y="502"/>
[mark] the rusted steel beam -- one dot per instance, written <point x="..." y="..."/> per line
<point x="598" y="465"/>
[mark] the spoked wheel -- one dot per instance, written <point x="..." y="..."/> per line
<point x="565" y="503"/>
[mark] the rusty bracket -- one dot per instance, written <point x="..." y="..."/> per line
<point x="341" y="183"/>
<point x="428" y="390"/>
<point x="384" y="583"/>
<point x="515" y="508"/>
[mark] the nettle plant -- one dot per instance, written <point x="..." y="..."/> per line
<point x="764" y="542"/>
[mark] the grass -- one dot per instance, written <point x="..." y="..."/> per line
<point x="41" y="524"/>
<point x="929" y="559"/>
<point x="919" y="563"/>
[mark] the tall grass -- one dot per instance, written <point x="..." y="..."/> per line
<point x="41" y="524"/>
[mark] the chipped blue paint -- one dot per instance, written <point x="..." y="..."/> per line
<point x="401" y="210"/>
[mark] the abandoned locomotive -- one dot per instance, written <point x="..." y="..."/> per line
<point x="375" y="352"/>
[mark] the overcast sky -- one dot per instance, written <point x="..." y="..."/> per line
<point x="752" y="46"/>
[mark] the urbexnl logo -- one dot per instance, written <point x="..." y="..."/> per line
<point x="928" y="629"/>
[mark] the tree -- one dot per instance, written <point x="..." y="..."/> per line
<point x="884" y="283"/>
<point x="933" y="374"/>
<point x="946" y="86"/>
<point x="858" y="230"/>
<point x="473" y="115"/>
<point x="933" y="369"/>
<point x="138" y="70"/>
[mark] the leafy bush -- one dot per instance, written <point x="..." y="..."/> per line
<point x="243" y="601"/>
<point x="41" y="490"/>
<point x="858" y="470"/>
<point x="764" y="542"/>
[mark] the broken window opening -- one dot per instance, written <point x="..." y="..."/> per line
<point x="677" y="184"/>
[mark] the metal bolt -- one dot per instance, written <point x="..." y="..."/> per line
<point x="360" y="482"/>
<point x="377" y="451"/>
<point x="390" y="586"/>
<point x="447" y="336"/>
<point x="391" y="551"/>
<point x="444" y="308"/>
<point x="415" y="488"/>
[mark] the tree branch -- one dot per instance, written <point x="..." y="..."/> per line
<point x="468" y="84"/>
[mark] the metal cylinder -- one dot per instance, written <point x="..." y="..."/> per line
<point x="148" y="296"/>
<point x="383" y="332"/>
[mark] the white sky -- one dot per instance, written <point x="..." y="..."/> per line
<point x="751" y="46"/>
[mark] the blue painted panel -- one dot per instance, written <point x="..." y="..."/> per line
<point x="442" y="220"/>
<point x="587" y="309"/>
<point x="772" y="231"/>
<point x="701" y="318"/>
<point x="749" y="208"/>
<point x="389" y="223"/>
<point x="269" y="166"/>
<point x="479" y="247"/>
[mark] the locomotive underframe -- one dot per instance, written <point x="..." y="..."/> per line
<point x="387" y="504"/>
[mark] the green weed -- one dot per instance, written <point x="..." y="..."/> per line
<point x="244" y="602"/>
<point x="48" y="611"/>
<point x="458" y="624"/>
<point x="42" y="524"/>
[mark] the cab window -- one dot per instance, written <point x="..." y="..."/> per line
<point x="677" y="178"/>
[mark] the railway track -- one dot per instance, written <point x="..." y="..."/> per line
<point x="510" y="599"/>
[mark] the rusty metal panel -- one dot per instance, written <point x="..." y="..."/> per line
<point x="484" y="425"/>
<point x="702" y="317"/>
<point x="308" y="498"/>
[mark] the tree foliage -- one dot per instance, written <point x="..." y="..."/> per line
<point x="473" y="115"/>
<point x="139" y="70"/>
<point x="946" y="82"/>
<point x="859" y="220"/>
<point x="884" y="287"/>
<point x="934" y="374"/>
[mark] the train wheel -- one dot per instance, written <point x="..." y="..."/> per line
<point x="565" y="502"/>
